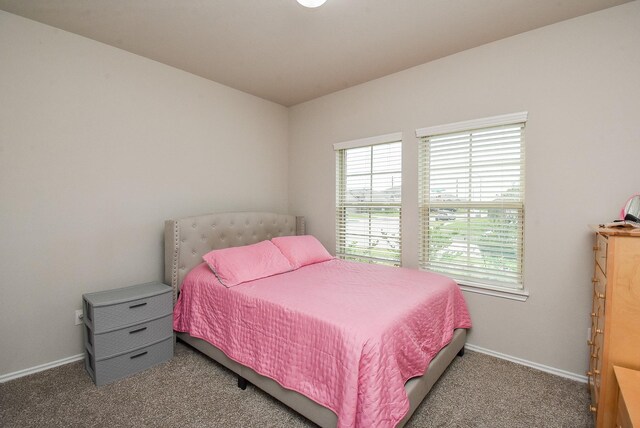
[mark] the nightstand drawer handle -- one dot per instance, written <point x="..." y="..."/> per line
<point x="138" y="305"/>
<point x="138" y="330"/>
<point x="139" y="355"/>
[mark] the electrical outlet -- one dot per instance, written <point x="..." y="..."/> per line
<point x="78" y="316"/>
<point x="588" y="334"/>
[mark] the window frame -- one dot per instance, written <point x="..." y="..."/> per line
<point x="492" y="288"/>
<point x="341" y="206"/>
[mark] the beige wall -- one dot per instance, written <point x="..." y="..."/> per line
<point x="579" y="82"/>
<point x="97" y="148"/>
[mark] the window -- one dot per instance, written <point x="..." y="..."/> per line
<point x="368" y="199"/>
<point x="472" y="201"/>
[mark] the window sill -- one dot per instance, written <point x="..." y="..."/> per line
<point x="487" y="290"/>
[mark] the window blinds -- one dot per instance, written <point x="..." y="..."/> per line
<point x="368" y="202"/>
<point x="472" y="204"/>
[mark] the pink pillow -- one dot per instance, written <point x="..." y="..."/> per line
<point x="302" y="250"/>
<point x="236" y="265"/>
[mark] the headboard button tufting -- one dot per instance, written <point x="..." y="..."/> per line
<point x="195" y="236"/>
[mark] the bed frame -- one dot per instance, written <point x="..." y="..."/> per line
<point x="187" y="239"/>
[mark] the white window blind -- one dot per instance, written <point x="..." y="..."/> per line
<point x="472" y="202"/>
<point x="368" y="201"/>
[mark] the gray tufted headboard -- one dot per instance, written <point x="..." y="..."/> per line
<point x="187" y="239"/>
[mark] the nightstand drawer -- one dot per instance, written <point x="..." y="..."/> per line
<point x="116" y="342"/>
<point x="111" y="369"/>
<point x="111" y="317"/>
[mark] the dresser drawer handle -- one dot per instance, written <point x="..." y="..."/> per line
<point x="593" y="409"/>
<point x="600" y="295"/>
<point x="595" y="280"/>
<point x="139" y="355"/>
<point x="596" y="248"/>
<point x="138" y="305"/>
<point x="138" y="330"/>
<point x="599" y="331"/>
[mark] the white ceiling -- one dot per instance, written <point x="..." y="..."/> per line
<point x="281" y="51"/>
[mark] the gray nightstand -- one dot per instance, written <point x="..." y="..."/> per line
<point x="127" y="330"/>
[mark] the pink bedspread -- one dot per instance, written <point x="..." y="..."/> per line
<point x="347" y="335"/>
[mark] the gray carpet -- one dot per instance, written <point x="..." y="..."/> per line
<point x="192" y="391"/>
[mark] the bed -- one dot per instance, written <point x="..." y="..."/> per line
<point x="188" y="239"/>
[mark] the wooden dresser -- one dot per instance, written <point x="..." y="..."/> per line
<point x="615" y="315"/>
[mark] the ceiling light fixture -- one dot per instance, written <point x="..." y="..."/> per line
<point x="311" y="3"/>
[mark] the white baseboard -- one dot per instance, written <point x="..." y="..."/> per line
<point x="20" y="373"/>
<point x="25" y="372"/>
<point x="541" y="367"/>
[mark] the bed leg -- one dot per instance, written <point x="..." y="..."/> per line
<point x="242" y="383"/>
<point x="461" y="352"/>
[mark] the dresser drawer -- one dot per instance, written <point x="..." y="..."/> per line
<point x="591" y="377"/>
<point x="105" y="318"/>
<point x="599" y="282"/>
<point x="594" y="376"/>
<point x="601" y="248"/>
<point x="111" y="369"/>
<point x="598" y="335"/>
<point x="118" y="341"/>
